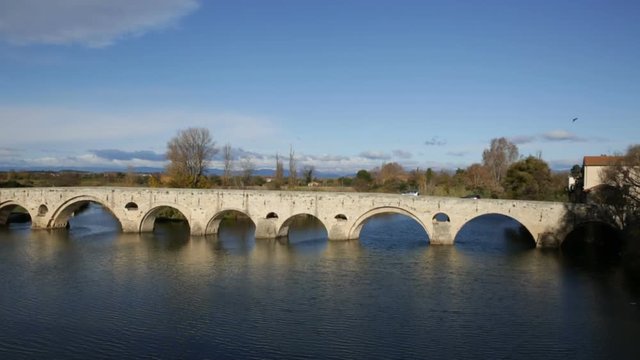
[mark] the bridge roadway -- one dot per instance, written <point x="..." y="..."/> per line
<point x="272" y="212"/>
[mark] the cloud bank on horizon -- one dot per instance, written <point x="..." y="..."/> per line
<point x="95" y="83"/>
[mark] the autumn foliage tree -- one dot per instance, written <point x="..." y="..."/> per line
<point x="477" y="179"/>
<point x="390" y="176"/>
<point x="189" y="154"/>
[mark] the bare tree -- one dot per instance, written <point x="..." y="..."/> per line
<point x="189" y="154"/>
<point x="247" y="171"/>
<point x="228" y="164"/>
<point x="622" y="192"/>
<point x="279" y="172"/>
<point x="498" y="157"/>
<point x="130" y="178"/>
<point x="292" y="168"/>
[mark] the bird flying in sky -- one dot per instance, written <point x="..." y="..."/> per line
<point x="574" y="119"/>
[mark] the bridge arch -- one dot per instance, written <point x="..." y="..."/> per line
<point x="283" y="231"/>
<point x="524" y="226"/>
<point x="440" y="217"/>
<point x="131" y="206"/>
<point x="214" y="223"/>
<point x="149" y="219"/>
<point x="356" y="228"/>
<point x="60" y="217"/>
<point x="7" y="207"/>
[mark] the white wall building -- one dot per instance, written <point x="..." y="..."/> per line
<point x="592" y="168"/>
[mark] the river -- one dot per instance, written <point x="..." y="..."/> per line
<point x="91" y="292"/>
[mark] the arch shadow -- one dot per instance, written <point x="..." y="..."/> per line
<point x="593" y="243"/>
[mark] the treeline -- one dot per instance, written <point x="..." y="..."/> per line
<point x="529" y="178"/>
<point x="11" y="179"/>
<point x="501" y="174"/>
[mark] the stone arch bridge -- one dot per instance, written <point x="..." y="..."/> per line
<point x="343" y="214"/>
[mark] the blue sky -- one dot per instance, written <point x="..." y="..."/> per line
<point x="348" y="84"/>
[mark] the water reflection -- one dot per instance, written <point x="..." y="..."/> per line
<point x="593" y="246"/>
<point x="236" y="236"/>
<point x="393" y="232"/>
<point x="91" y="219"/>
<point x="171" y="236"/>
<point x="93" y="292"/>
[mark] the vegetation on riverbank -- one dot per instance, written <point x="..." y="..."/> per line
<point x="500" y="175"/>
<point x="456" y="183"/>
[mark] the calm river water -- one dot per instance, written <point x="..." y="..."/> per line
<point x="91" y="292"/>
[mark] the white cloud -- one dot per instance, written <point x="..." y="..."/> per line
<point x="460" y="153"/>
<point x="550" y="136"/>
<point x="7" y="153"/>
<point x="522" y="139"/>
<point x="375" y="155"/>
<point x="561" y="135"/>
<point x="402" y="154"/>
<point x="93" y="23"/>
<point x="325" y="158"/>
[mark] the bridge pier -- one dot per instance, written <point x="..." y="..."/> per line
<point x="39" y="223"/>
<point x="266" y="228"/>
<point x="441" y="234"/>
<point x="339" y="231"/>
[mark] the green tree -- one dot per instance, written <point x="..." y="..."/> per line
<point x="189" y="154"/>
<point x="528" y="179"/>
<point x="429" y="178"/>
<point x="307" y="173"/>
<point x="576" y="171"/>
<point x="363" y="181"/>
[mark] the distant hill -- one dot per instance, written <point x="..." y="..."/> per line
<point x="150" y="170"/>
